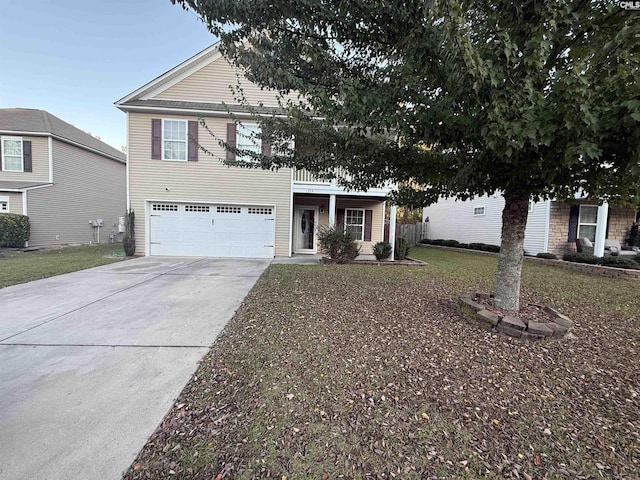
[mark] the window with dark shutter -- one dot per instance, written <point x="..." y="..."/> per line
<point x="193" y="142"/>
<point x="340" y="219"/>
<point x="573" y="223"/>
<point x="368" y="220"/>
<point x="231" y="141"/>
<point x="26" y="156"/>
<point x="156" y="139"/>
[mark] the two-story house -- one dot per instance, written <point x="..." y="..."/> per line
<point x="190" y="203"/>
<point x="60" y="177"/>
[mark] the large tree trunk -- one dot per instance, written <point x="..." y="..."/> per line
<point x="514" y="222"/>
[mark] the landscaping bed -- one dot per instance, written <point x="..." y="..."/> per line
<point x="346" y="371"/>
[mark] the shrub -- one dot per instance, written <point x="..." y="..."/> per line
<point x="548" y="256"/>
<point x="438" y="241"/>
<point x="620" y="262"/>
<point x="425" y="241"/>
<point x="129" y="239"/>
<point x="382" y="250"/>
<point x="463" y="245"/>
<point x="451" y="243"/>
<point x="339" y="245"/>
<point x="582" y="258"/>
<point x="402" y="248"/>
<point x="14" y="230"/>
<point x="636" y="258"/>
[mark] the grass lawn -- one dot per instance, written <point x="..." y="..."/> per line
<point x="368" y="372"/>
<point x="17" y="267"/>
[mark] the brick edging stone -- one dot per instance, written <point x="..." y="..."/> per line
<point x="470" y="309"/>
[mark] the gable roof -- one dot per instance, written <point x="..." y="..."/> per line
<point x="31" y="121"/>
<point x="172" y="76"/>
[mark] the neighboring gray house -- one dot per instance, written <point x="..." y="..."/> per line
<point x="60" y="177"/>
<point x="552" y="226"/>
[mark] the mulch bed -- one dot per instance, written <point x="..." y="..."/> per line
<point x="354" y="372"/>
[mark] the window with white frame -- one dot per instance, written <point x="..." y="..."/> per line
<point x="531" y="204"/>
<point x="478" y="211"/>
<point x="587" y="221"/>
<point x="12" y="158"/>
<point x="248" y="138"/>
<point x="354" y="223"/>
<point x="4" y="204"/>
<point x="174" y="140"/>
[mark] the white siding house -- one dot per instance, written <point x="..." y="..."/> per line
<point x="552" y="226"/>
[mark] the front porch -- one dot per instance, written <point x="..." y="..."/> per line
<point x="362" y="215"/>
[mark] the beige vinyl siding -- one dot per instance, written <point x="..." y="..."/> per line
<point x="40" y="162"/>
<point x="86" y="186"/>
<point x="213" y="83"/>
<point x="454" y="220"/>
<point x="15" y="201"/>
<point x="207" y="180"/>
<point x="535" y="232"/>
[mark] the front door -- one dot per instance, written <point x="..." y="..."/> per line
<point x="305" y="237"/>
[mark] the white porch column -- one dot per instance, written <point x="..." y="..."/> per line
<point x="392" y="231"/>
<point x="332" y="211"/>
<point x="601" y="229"/>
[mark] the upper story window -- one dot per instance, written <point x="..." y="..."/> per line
<point x="354" y="222"/>
<point x="248" y="138"/>
<point x="587" y="221"/>
<point x="174" y="140"/>
<point x="478" y="211"/>
<point x="12" y="154"/>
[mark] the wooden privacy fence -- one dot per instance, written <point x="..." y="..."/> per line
<point x="412" y="233"/>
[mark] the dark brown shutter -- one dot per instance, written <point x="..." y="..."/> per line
<point x="193" y="142"/>
<point x="368" y="219"/>
<point x="231" y="141"/>
<point x="156" y="138"/>
<point x="340" y="219"/>
<point x="573" y="223"/>
<point x="266" y="148"/>
<point x="26" y="156"/>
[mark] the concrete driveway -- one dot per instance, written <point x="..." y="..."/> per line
<point x="91" y="361"/>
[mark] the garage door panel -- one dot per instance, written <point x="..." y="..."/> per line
<point x="212" y="230"/>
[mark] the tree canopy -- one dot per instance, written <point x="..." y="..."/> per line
<point x="533" y="99"/>
<point x="463" y="98"/>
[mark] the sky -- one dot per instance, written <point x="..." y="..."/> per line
<point x="75" y="58"/>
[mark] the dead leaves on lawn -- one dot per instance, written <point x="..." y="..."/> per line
<point x="356" y="372"/>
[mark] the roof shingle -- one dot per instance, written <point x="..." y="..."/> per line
<point x="40" y="121"/>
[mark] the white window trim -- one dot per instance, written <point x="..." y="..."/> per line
<point x="581" y="223"/>
<point x="241" y="129"/>
<point x="5" y="200"/>
<point x="531" y="205"/>
<point x="186" y="140"/>
<point x="20" y="139"/>
<point x="364" y="221"/>
<point x="484" y="211"/>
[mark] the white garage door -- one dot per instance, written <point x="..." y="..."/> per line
<point x="184" y="229"/>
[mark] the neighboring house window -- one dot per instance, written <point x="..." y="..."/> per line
<point x="354" y="223"/>
<point x="174" y="140"/>
<point x="587" y="221"/>
<point x="247" y="138"/>
<point x="12" y="158"/>
<point x="478" y="211"/>
<point x="4" y="206"/>
<point x="531" y="206"/>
